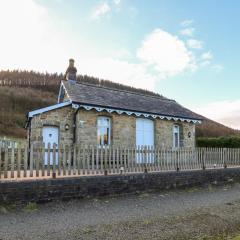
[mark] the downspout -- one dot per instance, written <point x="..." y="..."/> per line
<point x="29" y="140"/>
<point x="28" y="125"/>
<point x="75" y="125"/>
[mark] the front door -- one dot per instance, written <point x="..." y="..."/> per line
<point x="50" y="137"/>
<point x="144" y="136"/>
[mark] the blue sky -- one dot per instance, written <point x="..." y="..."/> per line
<point x="186" y="50"/>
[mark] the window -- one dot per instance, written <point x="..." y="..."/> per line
<point x="176" y="138"/>
<point x="103" y="130"/>
<point x="144" y="132"/>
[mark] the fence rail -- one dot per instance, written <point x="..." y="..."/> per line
<point x="44" y="161"/>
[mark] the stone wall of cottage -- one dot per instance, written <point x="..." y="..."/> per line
<point x="164" y="133"/>
<point x="59" y="118"/>
<point x="123" y="128"/>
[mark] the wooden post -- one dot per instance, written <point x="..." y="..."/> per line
<point x="203" y="158"/>
<point x="12" y="160"/>
<point x="69" y="159"/>
<point x="74" y="159"/>
<point x="117" y="159"/>
<point x="6" y="162"/>
<point x="31" y="160"/>
<point x="64" y="160"/>
<point x="0" y="162"/>
<point x="37" y="156"/>
<point x="114" y="164"/>
<point x="48" y="159"/>
<point x="54" y="161"/>
<point x="97" y="160"/>
<point x="60" y="159"/>
<point x="25" y="161"/>
<point x="43" y="159"/>
<point x="88" y="160"/>
<point x="93" y="159"/>
<point x="101" y="159"/>
<point x="177" y="160"/>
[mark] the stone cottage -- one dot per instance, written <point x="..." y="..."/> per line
<point x="96" y="115"/>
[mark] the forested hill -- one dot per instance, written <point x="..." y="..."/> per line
<point x="24" y="91"/>
<point x="50" y="82"/>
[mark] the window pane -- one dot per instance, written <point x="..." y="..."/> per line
<point x="176" y="139"/>
<point x="103" y="130"/>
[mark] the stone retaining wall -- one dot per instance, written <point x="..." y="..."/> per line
<point x="94" y="186"/>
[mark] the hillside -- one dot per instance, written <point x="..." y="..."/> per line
<point x="22" y="91"/>
<point x="210" y="128"/>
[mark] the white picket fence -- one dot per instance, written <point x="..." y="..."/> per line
<point x="76" y="160"/>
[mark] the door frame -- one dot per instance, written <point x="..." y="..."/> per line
<point x="46" y="144"/>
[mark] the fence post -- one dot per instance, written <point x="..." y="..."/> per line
<point x="54" y="161"/>
<point x="5" y="162"/>
<point x="31" y="160"/>
<point x="0" y="162"/>
<point x="226" y="155"/>
<point x="144" y="149"/>
<point x="203" y="158"/>
<point x="25" y="161"/>
<point x="177" y="160"/>
<point x="12" y="160"/>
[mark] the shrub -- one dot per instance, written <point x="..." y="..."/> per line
<point x="221" y="142"/>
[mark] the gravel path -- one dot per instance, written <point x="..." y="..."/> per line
<point x="186" y="214"/>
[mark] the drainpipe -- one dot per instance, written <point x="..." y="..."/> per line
<point x="74" y="125"/>
<point x="28" y="125"/>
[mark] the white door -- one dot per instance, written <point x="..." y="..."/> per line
<point x="144" y="136"/>
<point x="50" y="136"/>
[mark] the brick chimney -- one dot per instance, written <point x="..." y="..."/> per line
<point x="71" y="72"/>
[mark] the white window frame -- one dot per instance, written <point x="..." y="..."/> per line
<point x="109" y="127"/>
<point x="176" y="129"/>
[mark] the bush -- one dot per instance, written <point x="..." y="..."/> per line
<point x="221" y="142"/>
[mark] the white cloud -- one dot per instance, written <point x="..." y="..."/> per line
<point x="32" y="40"/>
<point x="225" y="112"/>
<point x="29" y="37"/>
<point x="194" y="44"/>
<point x="166" y="53"/>
<point x="217" y="68"/>
<point x="117" y="2"/>
<point x="101" y="10"/>
<point x="122" y="53"/>
<point x="207" y="56"/>
<point x="119" y="71"/>
<point x="189" y="32"/>
<point x="186" y="23"/>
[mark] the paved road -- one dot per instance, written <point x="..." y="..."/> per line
<point x="185" y="214"/>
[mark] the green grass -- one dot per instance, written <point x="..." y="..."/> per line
<point x="30" y="207"/>
<point x="236" y="238"/>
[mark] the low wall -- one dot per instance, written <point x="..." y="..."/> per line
<point x="94" y="186"/>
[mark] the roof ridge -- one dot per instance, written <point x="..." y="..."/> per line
<point x="127" y="91"/>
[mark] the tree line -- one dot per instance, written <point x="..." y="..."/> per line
<point x="51" y="81"/>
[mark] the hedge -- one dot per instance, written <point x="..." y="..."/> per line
<point x="222" y="142"/>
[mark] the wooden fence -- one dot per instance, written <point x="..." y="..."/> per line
<point x="45" y="162"/>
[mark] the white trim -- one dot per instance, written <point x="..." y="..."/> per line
<point x="46" y="109"/>
<point x="60" y="91"/>
<point x="176" y="129"/>
<point x="110" y="110"/>
<point x="139" y="114"/>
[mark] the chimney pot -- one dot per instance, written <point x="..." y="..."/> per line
<point x="71" y="72"/>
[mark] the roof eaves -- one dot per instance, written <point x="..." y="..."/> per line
<point x="49" y="108"/>
<point x="143" y="112"/>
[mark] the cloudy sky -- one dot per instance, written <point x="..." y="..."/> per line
<point x="185" y="50"/>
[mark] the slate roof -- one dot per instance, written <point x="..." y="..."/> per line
<point x="94" y="95"/>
